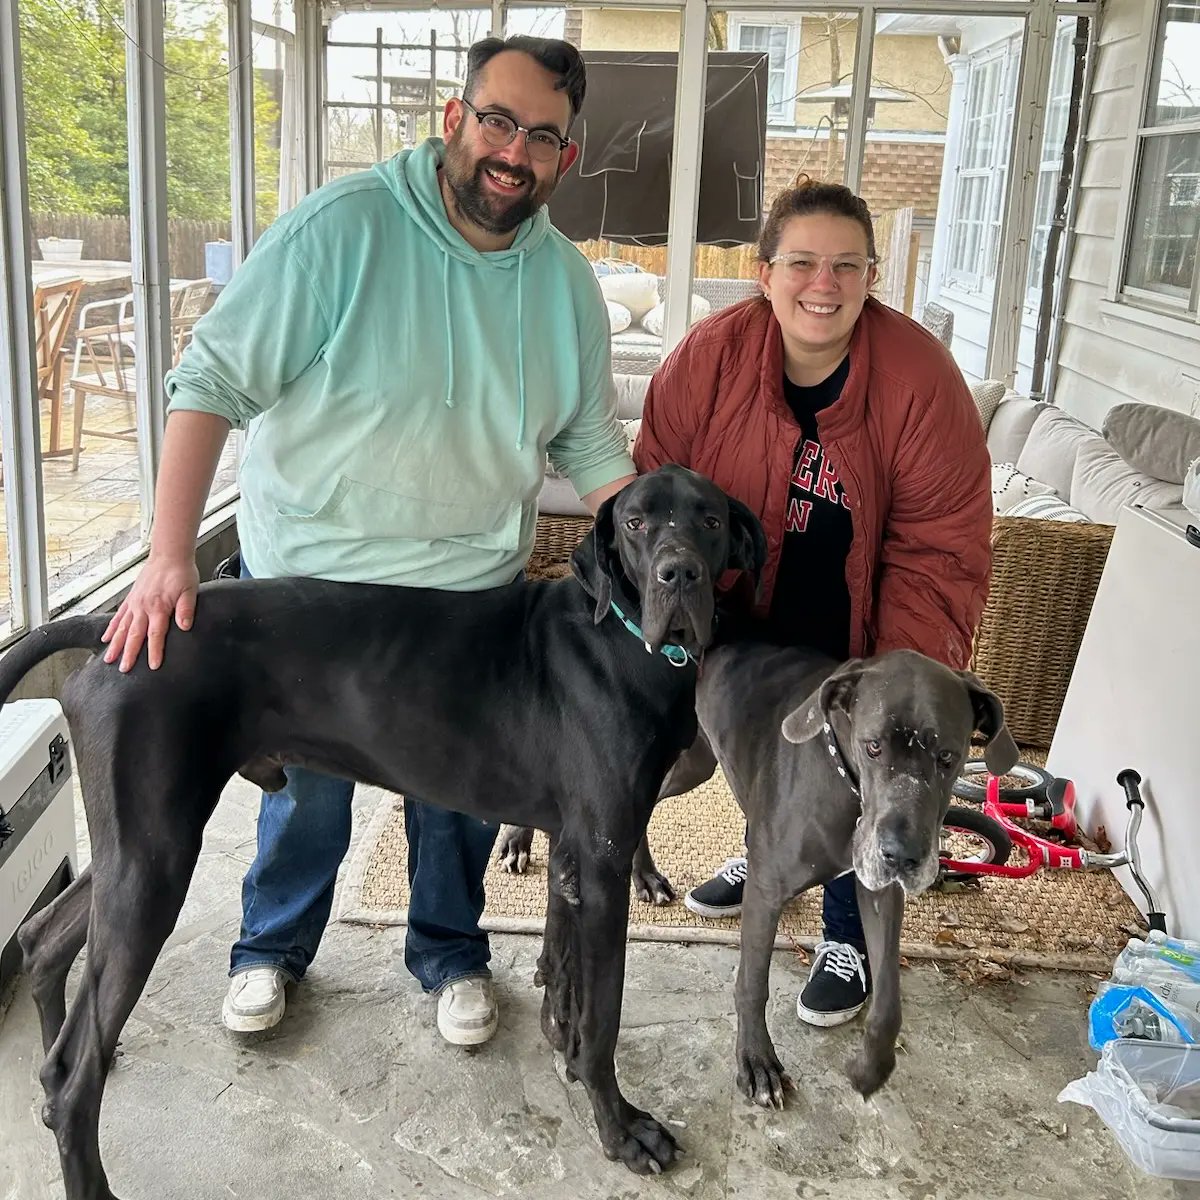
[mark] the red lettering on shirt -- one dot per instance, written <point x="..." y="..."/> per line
<point x="797" y="515"/>
<point x="827" y="481"/>
<point x="802" y="475"/>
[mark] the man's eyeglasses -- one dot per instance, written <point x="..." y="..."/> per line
<point x="498" y="130"/>
<point x="801" y="264"/>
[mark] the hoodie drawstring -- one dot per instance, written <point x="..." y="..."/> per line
<point x="449" y="330"/>
<point x="520" y="353"/>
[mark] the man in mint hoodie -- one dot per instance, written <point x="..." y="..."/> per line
<point x="405" y="347"/>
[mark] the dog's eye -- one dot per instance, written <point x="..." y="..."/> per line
<point x="874" y="747"/>
<point x="946" y="758"/>
<point x="712" y="522"/>
<point x="634" y="524"/>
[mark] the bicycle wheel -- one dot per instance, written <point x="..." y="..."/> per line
<point x="971" y="836"/>
<point x="1034" y="781"/>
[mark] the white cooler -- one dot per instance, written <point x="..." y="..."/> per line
<point x="37" y="817"/>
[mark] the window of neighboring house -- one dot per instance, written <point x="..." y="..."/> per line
<point x="780" y="41"/>
<point x="983" y="165"/>
<point x="1161" y="265"/>
<point x="1057" y="108"/>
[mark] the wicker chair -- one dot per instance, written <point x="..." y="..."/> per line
<point x="1044" y="579"/>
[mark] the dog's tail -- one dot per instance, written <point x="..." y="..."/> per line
<point x="72" y="633"/>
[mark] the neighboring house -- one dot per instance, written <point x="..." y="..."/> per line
<point x="810" y="64"/>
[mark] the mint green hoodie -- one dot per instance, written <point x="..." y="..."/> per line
<point x="402" y="390"/>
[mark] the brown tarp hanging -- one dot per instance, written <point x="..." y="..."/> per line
<point x="620" y="188"/>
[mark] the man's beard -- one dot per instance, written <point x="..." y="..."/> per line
<point x="487" y="209"/>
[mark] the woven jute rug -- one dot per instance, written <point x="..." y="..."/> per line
<point x="1076" y="920"/>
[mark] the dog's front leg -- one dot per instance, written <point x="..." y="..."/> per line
<point x="597" y="967"/>
<point x="882" y="914"/>
<point x="760" y="1074"/>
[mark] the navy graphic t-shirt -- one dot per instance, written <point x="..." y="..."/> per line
<point x="811" y="602"/>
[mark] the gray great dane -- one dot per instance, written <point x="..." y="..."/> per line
<point x="525" y="703"/>
<point x="837" y="767"/>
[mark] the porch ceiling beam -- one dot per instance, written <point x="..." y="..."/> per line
<point x="20" y="431"/>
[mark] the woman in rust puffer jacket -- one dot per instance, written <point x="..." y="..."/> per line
<point x="850" y="431"/>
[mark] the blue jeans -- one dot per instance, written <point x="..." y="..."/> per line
<point x="840" y="915"/>
<point x="303" y="835"/>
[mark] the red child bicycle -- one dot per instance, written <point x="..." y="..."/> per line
<point x="977" y="843"/>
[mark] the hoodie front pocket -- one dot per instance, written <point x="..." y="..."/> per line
<point x="355" y="509"/>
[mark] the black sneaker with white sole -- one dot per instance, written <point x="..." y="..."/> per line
<point x="837" y="988"/>
<point x="721" y="896"/>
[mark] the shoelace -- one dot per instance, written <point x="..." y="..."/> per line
<point x="734" y="871"/>
<point x="842" y="960"/>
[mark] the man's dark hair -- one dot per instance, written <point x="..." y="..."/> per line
<point x="560" y="58"/>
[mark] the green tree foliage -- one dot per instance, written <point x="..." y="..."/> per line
<point x="76" y="137"/>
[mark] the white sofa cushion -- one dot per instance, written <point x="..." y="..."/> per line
<point x="652" y="322"/>
<point x="1048" y="508"/>
<point x="1010" y="426"/>
<point x="637" y="291"/>
<point x="619" y="317"/>
<point x="1050" y="449"/>
<point x="1153" y="439"/>
<point x="1103" y="483"/>
<point x="987" y="396"/>
<point x="1009" y="485"/>
<point x="631" y="394"/>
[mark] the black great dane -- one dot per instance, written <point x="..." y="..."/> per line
<point x="549" y="704"/>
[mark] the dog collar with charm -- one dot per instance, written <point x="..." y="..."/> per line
<point x="839" y="762"/>
<point x="677" y="656"/>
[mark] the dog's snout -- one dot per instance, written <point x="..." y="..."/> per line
<point x="898" y="852"/>
<point x="679" y="570"/>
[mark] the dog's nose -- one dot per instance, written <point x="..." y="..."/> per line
<point x="897" y="853"/>
<point x="679" y="570"/>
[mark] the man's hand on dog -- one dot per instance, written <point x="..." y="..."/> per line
<point x="165" y="588"/>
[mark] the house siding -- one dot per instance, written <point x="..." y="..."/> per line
<point x="1107" y="358"/>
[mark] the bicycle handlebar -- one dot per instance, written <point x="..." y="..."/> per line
<point x="1129" y="779"/>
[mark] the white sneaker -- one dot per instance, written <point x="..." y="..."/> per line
<point x="255" y="1000"/>
<point x="467" y="1013"/>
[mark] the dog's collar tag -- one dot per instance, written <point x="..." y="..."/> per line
<point x="677" y="656"/>
<point x="839" y="762"/>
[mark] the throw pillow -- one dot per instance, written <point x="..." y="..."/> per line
<point x="1103" y="483"/>
<point x="1048" y="508"/>
<point x="652" y="322"/>
<point x="987" y="396"/>
<point x="619" y="317"/>
<point x="1050" y="449"/>
<point x="637" y="291"/>
<point x="1157" y="441"/>
<point x="1009" y="485"/>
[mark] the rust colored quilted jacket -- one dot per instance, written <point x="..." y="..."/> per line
<point x="904" y="436"/>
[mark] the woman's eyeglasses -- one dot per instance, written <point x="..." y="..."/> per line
<point x="801" y="264"/>
<point x="498" y="130"/>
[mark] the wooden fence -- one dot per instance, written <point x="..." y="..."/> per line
<point x="108" y="238"/>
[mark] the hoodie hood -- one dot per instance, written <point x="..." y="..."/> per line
<point x="412" y="177"/>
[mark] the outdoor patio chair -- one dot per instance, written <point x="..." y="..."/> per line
<point x="103" y="366"/>
<point x="53" y="307"/>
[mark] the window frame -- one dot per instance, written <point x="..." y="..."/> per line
<point x="1184" y="313"/>
<point x="980" y="275"/>
<point x="740" y="19"/>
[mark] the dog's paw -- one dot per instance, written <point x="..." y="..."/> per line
<point x="513" y="845"/>
<point x="762" y="1078"/>
<point x="644" y="1145"/>
<point x="652" y="887"/>
<point x="868" y="1071"/>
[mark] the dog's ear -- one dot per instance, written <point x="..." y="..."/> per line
<point x="1000" y="752"/>
<point x="835" y="693"/>
<point x="747" y="542"/>
<point x="591" y="562"/>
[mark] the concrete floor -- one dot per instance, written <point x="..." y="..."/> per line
<point x="354" y="1095"/>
